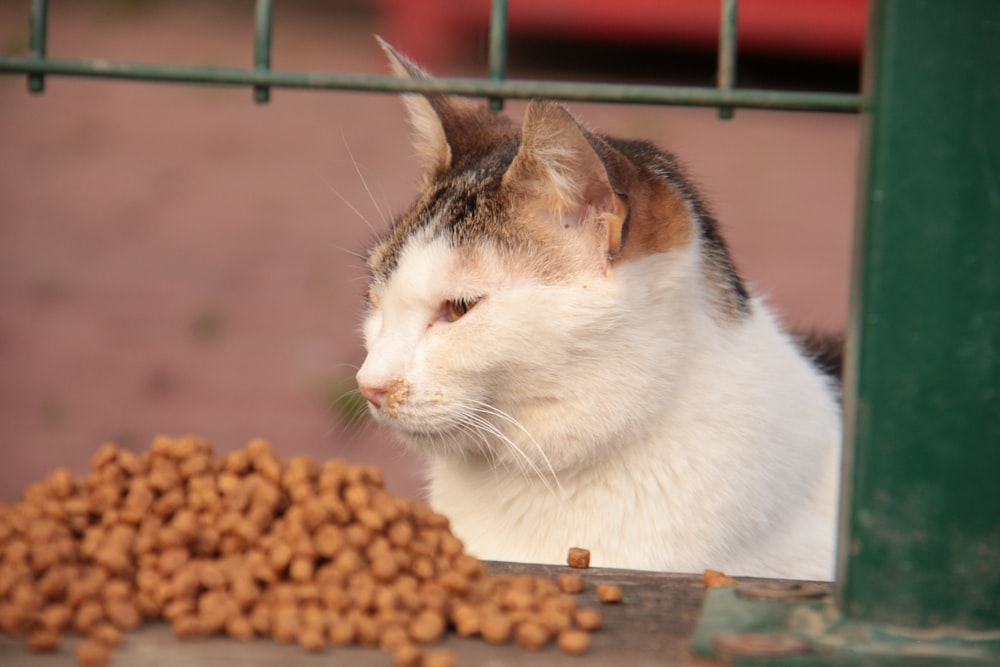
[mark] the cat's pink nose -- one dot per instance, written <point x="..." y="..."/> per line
<point x="374" y="395"/>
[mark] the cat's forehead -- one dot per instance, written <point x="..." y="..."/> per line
<point x="466" y="208"/>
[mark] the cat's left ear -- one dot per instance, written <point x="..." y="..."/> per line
<point x="559" y="165"/>
<point x="442" y="124"/>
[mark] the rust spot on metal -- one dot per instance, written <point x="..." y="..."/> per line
<point x="759" y="644"/>
<point x="782" y="590"/>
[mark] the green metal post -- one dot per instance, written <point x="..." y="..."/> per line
<point x="498" y="47"/>
<point x="918" y="580"/>
<point x="727" y="53"/>
<point x="920" y="531"/>
<point x="262" y="47"/>
<point x="38" y="29"/>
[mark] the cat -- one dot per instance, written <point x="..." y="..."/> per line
<point x="557" y="327"/>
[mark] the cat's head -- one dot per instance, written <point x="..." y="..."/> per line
<point x="506" y="309"/>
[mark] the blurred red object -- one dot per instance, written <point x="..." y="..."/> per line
<point x="434" y="31"/>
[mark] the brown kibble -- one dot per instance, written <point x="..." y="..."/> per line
<point x="440" y="658"/>
<point x="123" y="614"/>
<point x="311" y="638"/>
<point x="91" y="653"/>
<point x="392" y="637"/>
<point x="87" y="615"/>
<point x="341" y="631"/>
<point x="588" y="619"/>
<point x="407" y="655"/>
<point x="106" y="634"/>
<point x="716" y="579"/>
<point x="301" y="569"/>
<point x="570" y="582"/>
<point x="495" y="628"/>
<point x="579" y="558"/>
<point x="609" y="593"/>
<point x="573" y="642"/>
<point x="187" y="626"/>
<point x="43" y="639"/>
<point x="466" y="625"/>
<point x="55" y="617"/>
<point x="427" y="627"/>
<point x="531" y="635"/>
<point x="247" y="545"/>
<point x="240" y="627"/>
<point x="14" y="622"/>
<point x="384" y="568"/>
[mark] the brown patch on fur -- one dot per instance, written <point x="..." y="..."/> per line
<point x="658" y="220"/>
<point x="826" y="351"/>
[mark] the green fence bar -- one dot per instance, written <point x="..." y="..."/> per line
<point x="920" y="535"/>
<point x="563" y="90"/>
<point x="498" y="47"/>
<point x="38" y="21"/>
<point x="727" y="52"/>
<point x="262" y="47"/>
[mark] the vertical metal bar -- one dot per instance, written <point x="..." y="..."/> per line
<point x="262" y="47"/>
<point x="498" y="47"/>
<point x="920" y="521"/>
<point x="727" y="52"/>
<point x="38" y="28"/>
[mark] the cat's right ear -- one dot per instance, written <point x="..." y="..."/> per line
<point x="436" y="119"/>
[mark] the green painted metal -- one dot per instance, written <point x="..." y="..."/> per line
<point x="920" y="532"/>
<point x="727" y="53"/>
<point x="37" y="32"/>
<point x="919" y="564"/>
<point x="498" y="47"/>
<point x="262" y="47"/>
<point x="744" y="631"/>
<point x="562" y="90"/>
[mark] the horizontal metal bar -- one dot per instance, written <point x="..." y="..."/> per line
<point x="561" y="90"/>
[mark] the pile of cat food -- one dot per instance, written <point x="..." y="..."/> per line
<point x="247" y="545"/>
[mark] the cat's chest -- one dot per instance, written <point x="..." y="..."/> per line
<point x="626" y="517"/>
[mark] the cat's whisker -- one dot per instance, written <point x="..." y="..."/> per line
<point x="493" y="410"/>
<point x="494" y="430"/>
<point x="351" y="206"/>
<point x="361" y="177"/>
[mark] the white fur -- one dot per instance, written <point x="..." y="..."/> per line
<point x="613" y="411"/>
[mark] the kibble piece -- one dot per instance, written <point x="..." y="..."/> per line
<point x="573" y="641"/>
<point x="240" y="627"/>
<point x="579" y="558"/>
<point x="56" y="617"/>
<point x="440" y="658"/>
<point x="187" y="626"/>
<point x="716" y="579"/>
<point x="392" y="637"/>
<point x="531" y="635"/>
<point x="588" y="619"/>
<point x="92" y="653"/>
<point x="495" y="628"/>
<point x="427" y="627"/>
<point x="105" y="633"/>
<point x="570" y="582"/>
<point x="407" y="655"/>
<point x="311" y="638"/>
<point x="43" y="639"/>
<point x="609" y="593"/>
<point x="342" y="631"/>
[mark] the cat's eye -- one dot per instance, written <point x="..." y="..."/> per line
<point x="455" y="309"/>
